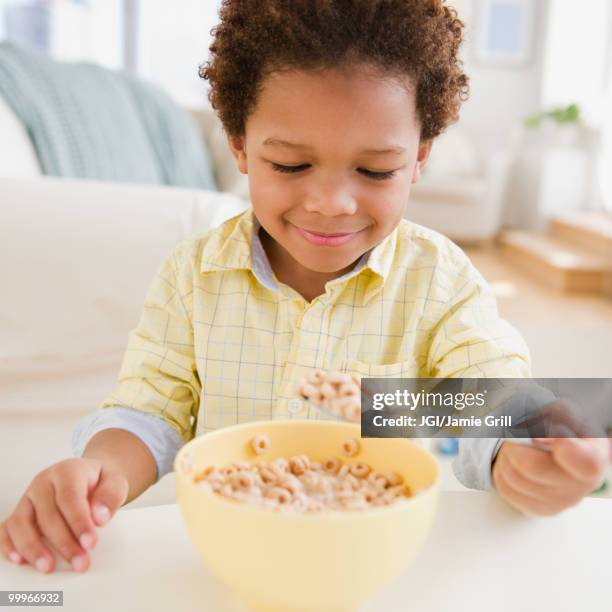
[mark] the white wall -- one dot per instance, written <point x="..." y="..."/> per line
<point x="173" y="41"/>
<point x="501" y="97"/>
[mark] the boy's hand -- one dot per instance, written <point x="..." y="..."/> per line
<point x="542" y="484"/>
<point x="64" y="504"/>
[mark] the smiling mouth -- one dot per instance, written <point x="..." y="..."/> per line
<point x="325" y="239"/>
<point x="324" y="235"/>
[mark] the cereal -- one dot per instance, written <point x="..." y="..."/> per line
<point x="308" y="390"/>
<point x="300" y="485"/>
<point x="335" y="392"/>
<point x="280" y="465"/>
<point x="268" y="475"/>
<point x="348" y="390"/>
<point x="316" y="377"/>
<point x="281" y="495"/>
<point x="331" y="465"/>
<point x="260" y="444"/>
<point x="360" y="469"/>
<point x="299" y="464"/>
<point x="393" y="478"/>
<point x="327" y="391"/>
<point x="350" y="447"/>
<point x="339" y="378"/>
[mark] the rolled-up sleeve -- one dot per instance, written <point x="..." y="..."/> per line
<point x="471" y="340"/>
<point x="161" y="439"/>
<point x="158" y="374"/>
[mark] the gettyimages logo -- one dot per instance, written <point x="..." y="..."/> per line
<point x="486" y="407"/>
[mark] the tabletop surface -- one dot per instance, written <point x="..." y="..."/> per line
<point x="480" y="555"/>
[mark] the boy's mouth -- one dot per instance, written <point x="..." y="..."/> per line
<point x="321" y="239"/>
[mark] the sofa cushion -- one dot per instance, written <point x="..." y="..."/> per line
<point x="76" y="260"/>
<point x="86" y="121"/>
<point x="17" y="156"/>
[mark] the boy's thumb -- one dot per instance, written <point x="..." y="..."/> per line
<point x="108" y="496"/>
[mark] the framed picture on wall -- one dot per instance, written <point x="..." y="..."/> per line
<point x="504" y="32"/>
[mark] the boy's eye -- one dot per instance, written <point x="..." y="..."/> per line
<point x="378" y="176"/>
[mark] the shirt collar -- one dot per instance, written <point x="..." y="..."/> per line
<point x="236" y="245"/>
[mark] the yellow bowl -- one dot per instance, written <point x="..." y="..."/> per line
<point x="327" y="561"/>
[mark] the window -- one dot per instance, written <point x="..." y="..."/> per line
<point x="68" y="30"/>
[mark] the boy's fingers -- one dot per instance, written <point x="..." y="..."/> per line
<point x="71" y="499"/>
<point x="7" y="548"/>
<point x="562" y="494"/>
<point x="585" y="459"/>
<point x="27" y="539"/>
<point x="108" y="496"/>
<point x="536" y="466"/>
<point x="53" y="526"/>
<point x="523" y="503"/>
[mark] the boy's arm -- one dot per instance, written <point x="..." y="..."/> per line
<point x="158" y="375"/>
<point x="127" y="453"/>
<point x="470" y="340"/>
<point x="472" y="466"/>
<point x="162" y="440"/>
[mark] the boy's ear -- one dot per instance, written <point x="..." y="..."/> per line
<point x="422" y="157"/>
<point x="237" y="147"/>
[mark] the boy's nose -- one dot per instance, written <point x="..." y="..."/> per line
<point x="331" y="203"/>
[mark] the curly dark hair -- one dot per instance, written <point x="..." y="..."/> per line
<point x="419" y="39"/>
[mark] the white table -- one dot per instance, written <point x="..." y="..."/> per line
<point x="481" y="555"/>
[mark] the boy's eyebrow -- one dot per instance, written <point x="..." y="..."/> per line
<point x="293" y="145"/>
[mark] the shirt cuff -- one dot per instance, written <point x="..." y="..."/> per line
<point x="160" y="438"/>
<point x="472" y="466"/>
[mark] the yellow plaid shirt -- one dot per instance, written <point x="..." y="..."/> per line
<point x="221" y="341"/>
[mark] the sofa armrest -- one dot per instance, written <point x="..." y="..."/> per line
<point x="227" y="175"/>
<point x="78" y="257"/>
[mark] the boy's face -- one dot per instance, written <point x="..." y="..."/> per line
<point x="343" y="199"/>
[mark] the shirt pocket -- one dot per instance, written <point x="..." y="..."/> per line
<point x="402" y="369"/>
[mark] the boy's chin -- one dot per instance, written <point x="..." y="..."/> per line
<point x="330" y="265"/>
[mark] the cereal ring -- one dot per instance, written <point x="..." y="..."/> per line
<point x="316" y="466"/>
<point x="378" y="480"/>
<point x="348" y="389"/>
<point x="370" y="495"/>
<point x="353" y="482"/>
<point x="331" y="465"/>
<point x="308" y="391"/>
<point x="268" y="475"/>
<point x="315" y="377"/>
<point x="311" y="480"/>
<point x="241" y="480"/>
<point x="350" y="447"/>
<point x="242" y="465"/>
<point x="281" y="464"/>
<point x="279" y="494"/>
<point x="338" y="378"/>
<point x="360" y="469"/>
<point x="326" y="391"/>
<point x="291" y="483"/>
<point x="299" y="464"/>
<point x="260" y="444"/>
<point x="226" y="470"/>
<point x="352" y="414"/>
<point x="344" y="470"/>
<point x="393" y="478"/>
<point x="215" y="476"/>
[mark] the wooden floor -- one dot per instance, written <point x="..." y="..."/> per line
<point x="568" y="335"/>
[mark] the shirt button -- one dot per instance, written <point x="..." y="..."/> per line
<point x="294" y="406"/>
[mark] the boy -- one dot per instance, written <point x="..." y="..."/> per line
<point x="330" y="108"/>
